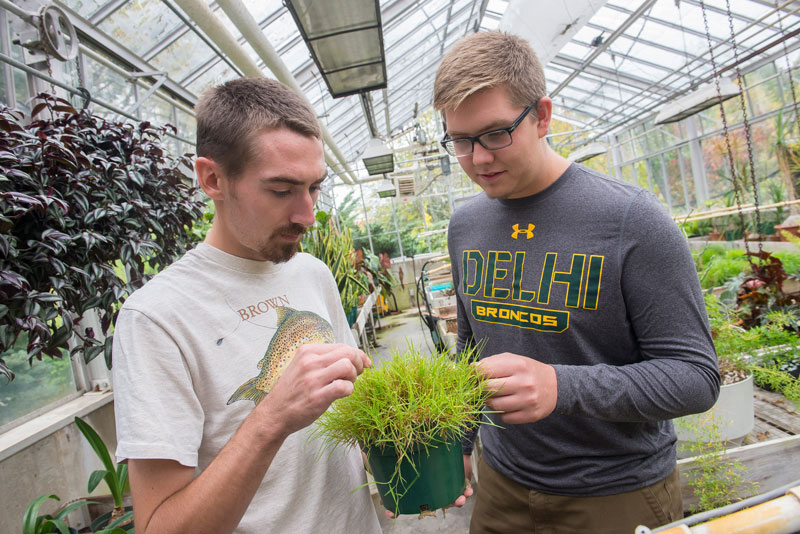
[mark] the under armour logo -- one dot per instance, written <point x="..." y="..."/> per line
<point x="517" y="231"/>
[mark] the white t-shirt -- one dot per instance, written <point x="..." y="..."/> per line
<point x="187" y="340"/>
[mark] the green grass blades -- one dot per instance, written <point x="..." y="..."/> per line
<point x="413" y="400"/>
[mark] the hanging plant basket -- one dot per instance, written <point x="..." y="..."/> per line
<point x="427" y="478"/>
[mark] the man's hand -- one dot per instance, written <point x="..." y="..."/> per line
<point x="525" y="390"/>
<point x="317" y="375"/>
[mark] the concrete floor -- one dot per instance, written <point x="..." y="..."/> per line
<point x="396" y="331"/>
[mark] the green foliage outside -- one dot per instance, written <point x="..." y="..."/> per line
<point x="198" y="231"/>
<point x="717" y="264"/>
<point x="35" y="386"/>
<point x="770" y="351"/>
<point x="334" y="247"/>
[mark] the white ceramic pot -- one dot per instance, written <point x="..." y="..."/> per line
<point x="733" y="413"/>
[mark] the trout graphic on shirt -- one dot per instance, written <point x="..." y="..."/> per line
<point x="295" y="328"/>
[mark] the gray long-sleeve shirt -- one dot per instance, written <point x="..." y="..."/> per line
<point x="593" y="277"/>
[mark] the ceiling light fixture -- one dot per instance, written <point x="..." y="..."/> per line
<point x="696" y="101"/>
<point x="345" y="41"/>
<point x="378" y="158"/>
<point x="587" y="152"/>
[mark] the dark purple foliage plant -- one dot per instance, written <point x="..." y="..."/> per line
<point x="78" y="195"/>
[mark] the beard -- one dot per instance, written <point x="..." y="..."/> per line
<point x="276" y="251"/>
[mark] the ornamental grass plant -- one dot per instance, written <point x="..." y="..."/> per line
<point x="409" y="404"/>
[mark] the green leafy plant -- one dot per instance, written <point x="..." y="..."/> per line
<point x="78" y="193"/>
<point x="115" y="477"/>
<point x="334" y="246"/>
<point x="761" y="290"/>
<point x="198" y="231"/>
<point x="377" y="268"/>
<point x="33" y="523"/>
<point x="411" y="402"/>
<point x="769" y="351"/>
<point x="716" y="480"/>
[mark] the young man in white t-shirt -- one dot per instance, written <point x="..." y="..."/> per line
<point x="213" y="443"/>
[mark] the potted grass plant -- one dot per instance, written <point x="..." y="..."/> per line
<point x="409" y="415"/>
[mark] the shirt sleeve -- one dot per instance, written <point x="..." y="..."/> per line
<point x="158" y="414"/>
<point x="678" y="373"/>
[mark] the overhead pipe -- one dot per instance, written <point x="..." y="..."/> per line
<point x="201" y="14"/>
<point x="253" y="34"/>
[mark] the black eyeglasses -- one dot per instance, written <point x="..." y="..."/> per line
<point x="491" y="140"/>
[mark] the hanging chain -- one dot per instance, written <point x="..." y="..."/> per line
<point x="788" y="69"/>
<point x="42" y="31"/>
<point x="746" y="123"/>
<point x="731" y="164"/>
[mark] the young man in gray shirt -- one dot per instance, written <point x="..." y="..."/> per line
<point x="585" y="294"/>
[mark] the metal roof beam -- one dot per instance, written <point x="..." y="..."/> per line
<point x="646" y="4"/>
<point x="647" y="42"/>
<point x="576" y="66"/>
<point x="88" y="34"/>
<point x="663" y="22"/>
<point x="106" y="10"/>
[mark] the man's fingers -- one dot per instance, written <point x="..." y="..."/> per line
<point x="366" y="360"/>
<point x="326" y="354"/>
<point x="495" y="385"/>
<point x="336" y="390"/>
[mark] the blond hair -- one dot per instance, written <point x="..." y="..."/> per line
<point x="486" y="60"/>
<point x="230" y="115"/>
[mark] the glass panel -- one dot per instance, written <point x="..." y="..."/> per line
<point x="3" y="92"/>
<point x="263" y="9"/>
<point x="281" y="31"/>
<point x="627" y="151"/>
<point x="345" y="50"/>
<point x="610" y="18"/>
<point x="140" y="24"/>
<point x="157" y="110"/>
<point x="217" y="74"/>
<point x="34" y="386"/>
<point x="318" y="19"/>
<point x="763" y="98"/>
<point x="182" y="56"/>
<point x="108" y="85"/>
<point x="627" y="173"/>
<point x="21" y="89"/>
<point x="296" y="56"/>
<point x="688" y="175"/>
<point x="657" y="182"/>
<point x="677" y="190"/>
<point x="187" y="128"/>
<point x="84" y="8"/>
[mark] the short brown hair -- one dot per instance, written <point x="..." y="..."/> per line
<point x="485" y="60"/>
<point x="230" y="115"/>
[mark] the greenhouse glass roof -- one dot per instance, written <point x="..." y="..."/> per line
<point x="609" y="64"/>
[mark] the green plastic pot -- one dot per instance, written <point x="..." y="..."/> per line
<point x="429" y="478"/>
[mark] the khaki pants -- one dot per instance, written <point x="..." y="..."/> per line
<point x="503" y="506"/>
